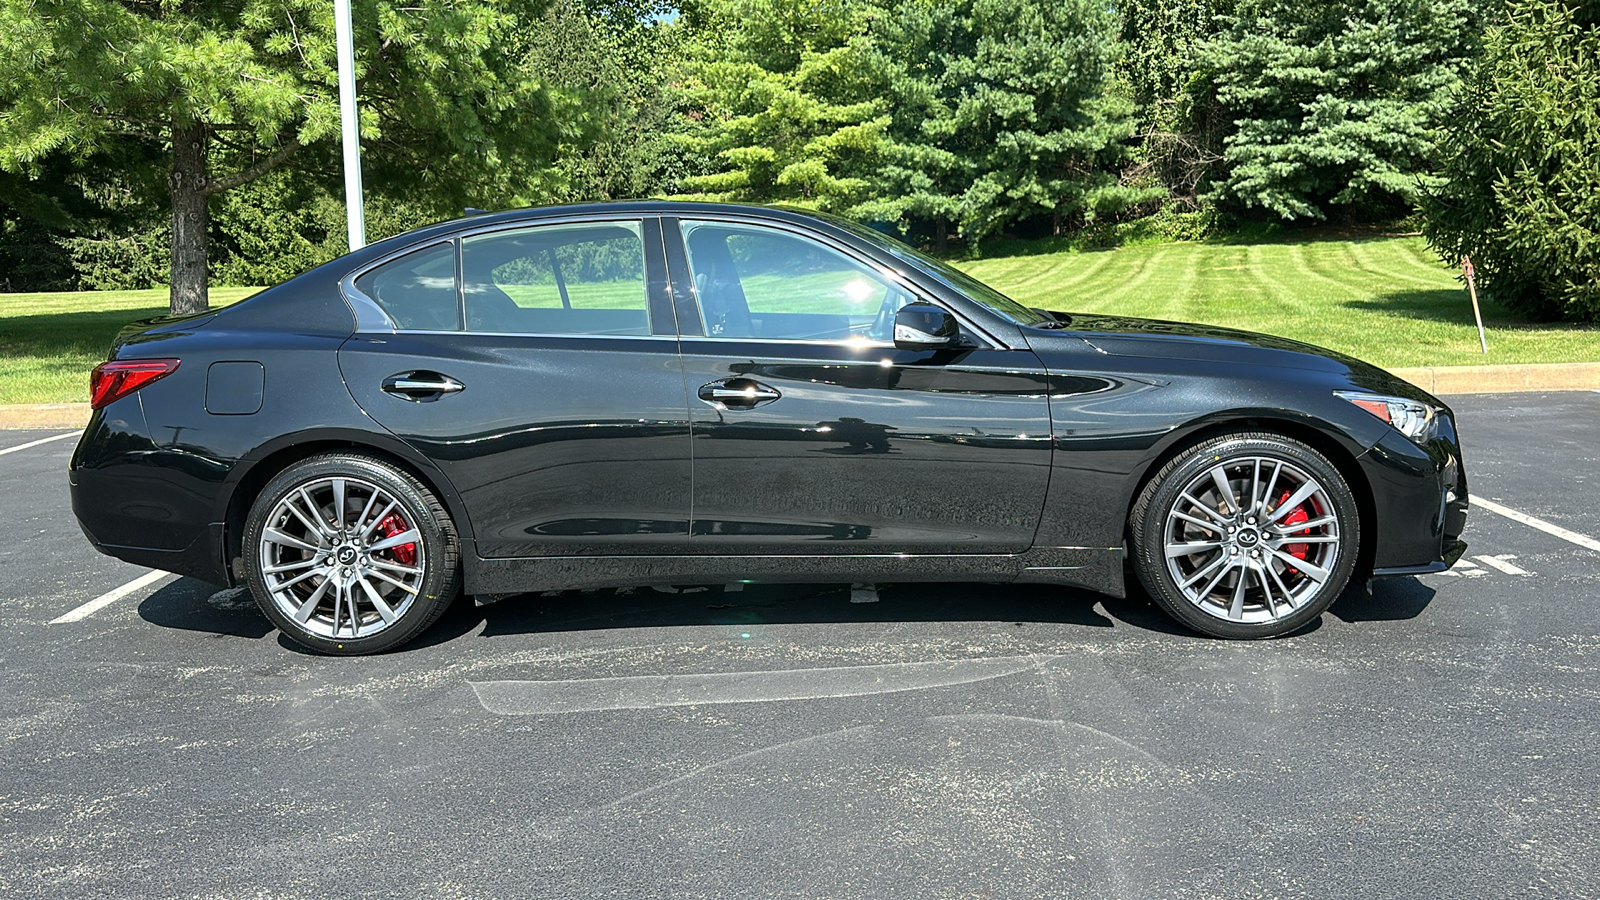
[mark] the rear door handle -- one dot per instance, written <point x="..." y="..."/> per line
<point x="421" y="386"/>
<point x="737" y="393"/>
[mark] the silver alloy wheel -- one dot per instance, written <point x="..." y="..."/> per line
<point x="1251" y="539"/>
<point x="341" y="557"/>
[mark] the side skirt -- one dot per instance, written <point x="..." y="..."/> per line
<point x="1096" y="569"/>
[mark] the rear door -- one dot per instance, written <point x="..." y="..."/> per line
<point x="812" y="434"/>
<point x="538" y="367"/>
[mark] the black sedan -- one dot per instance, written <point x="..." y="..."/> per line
<point x="675" y="393"/>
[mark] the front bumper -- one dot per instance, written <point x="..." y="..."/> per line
<point x="1419" y="496"/>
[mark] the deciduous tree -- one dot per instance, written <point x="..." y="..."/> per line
<point x="228" y="90"/>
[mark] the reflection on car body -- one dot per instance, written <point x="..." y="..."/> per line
<point x="637" y="393"/>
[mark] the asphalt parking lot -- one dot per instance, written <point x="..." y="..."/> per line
<point x="1433" y="736"/>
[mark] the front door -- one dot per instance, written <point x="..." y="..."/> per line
<point x="537" y="367"/>
<point x="812" y="434"/>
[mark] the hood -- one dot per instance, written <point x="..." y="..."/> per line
<point x="1156" y="339"/>
<point x="1127" y="336"/>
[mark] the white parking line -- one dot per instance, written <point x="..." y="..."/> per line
<point x="38" y="442"/>
<point x="1501" y="562"/>
<point x="110" y="597"/>
<point x="1465" y="568"/>
<point x="1582" y="540"/>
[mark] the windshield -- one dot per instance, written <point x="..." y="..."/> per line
<point x="950" y="275"/>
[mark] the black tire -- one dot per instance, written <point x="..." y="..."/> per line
<point x="1246" y="537"/>
<point x="356" y="586"/>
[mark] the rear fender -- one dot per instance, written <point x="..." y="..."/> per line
<point x="261" y="464"/>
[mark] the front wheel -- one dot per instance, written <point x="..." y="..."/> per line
<point x="348" y="554"/>
<point x="1246" y="535"/>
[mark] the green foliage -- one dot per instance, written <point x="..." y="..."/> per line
<point x="450" y="107"/>
<point x="1159" y="39"/>
<point x="1522" y="190"/>
<point x="104" y="228"/>
<point x="1334" y="103"/>
<point x="781" y="102"/>
<point x="30" y="257"/>
<point x="612" y="62"/>
<point x="130" y="258"/>
<point x="1001" y="114"/>
<point x="1181" y="124"/>
<point x="973" y="114"/>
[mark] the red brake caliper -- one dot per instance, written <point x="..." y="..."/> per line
<point x="406" y="554"/>
<point x="1298" y="551"/>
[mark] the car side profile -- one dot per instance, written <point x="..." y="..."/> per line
<point x="676" y="393"/>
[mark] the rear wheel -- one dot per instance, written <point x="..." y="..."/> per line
<point x="348" y="554"/>
<point x="1246" y="535"/>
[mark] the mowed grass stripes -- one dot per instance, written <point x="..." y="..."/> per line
<point x="50" y="342"/>
<point x="1386" y="300"/>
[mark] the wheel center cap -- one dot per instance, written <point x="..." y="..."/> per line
<point x="1248" y="538"/>
<point x="347" y="555"/>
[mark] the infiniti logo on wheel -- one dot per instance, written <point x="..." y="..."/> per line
<point x="347" y="555"/>
<point x="1247" y="537"/>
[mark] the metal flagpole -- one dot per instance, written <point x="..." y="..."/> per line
<point x="350" y="124"/>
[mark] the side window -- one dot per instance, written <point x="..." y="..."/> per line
<point x="418" y="290"/>
<point x="557" y="279"/>
<point x="754" y="282"/>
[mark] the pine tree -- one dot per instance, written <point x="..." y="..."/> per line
<point x="1521" y="194"/>
<point x="780" y="104"/>
<point x="1334" y="103"/>
<point x="1001" y="114"/>
<point x="228" y="90"/>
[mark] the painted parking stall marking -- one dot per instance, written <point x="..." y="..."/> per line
<point x="1486" y="565"/>
<point x="1573" y="537"/>
<point x="110" y="597"/>
<point x="31" y="444"/>
<point x="1502" y="562"/>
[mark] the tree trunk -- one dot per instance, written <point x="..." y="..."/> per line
<point x="191" y="218"/>
<point x="941" y="233"/>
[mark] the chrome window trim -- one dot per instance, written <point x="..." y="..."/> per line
<point x="866" y="345"/>
<point x="543" y="334"/>
<point x="372" y="319"/>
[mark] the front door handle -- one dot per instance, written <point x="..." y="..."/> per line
<point x="421" y="386"/>
<point x="737" y="393"/>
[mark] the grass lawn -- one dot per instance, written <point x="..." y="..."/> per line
<point x="49" y="342"/>
<point x="1384" y="299"/>
<point x="1387" y="300"/>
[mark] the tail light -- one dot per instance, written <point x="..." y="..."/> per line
<point x="111" y="381"/>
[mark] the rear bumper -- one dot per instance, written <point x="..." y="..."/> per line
<point x="1419" y="503"/>
<point x="142" y="503"/>
<point x="202" y="559"/>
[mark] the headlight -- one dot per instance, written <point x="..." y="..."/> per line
<point x="1412" y="418"/>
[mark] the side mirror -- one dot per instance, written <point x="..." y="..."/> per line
<point x="923" y="326"/>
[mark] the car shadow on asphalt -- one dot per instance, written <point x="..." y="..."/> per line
<point x="191" y="605"/>
<point x="791" y="604"/>
<point x="1384" y="600"/>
